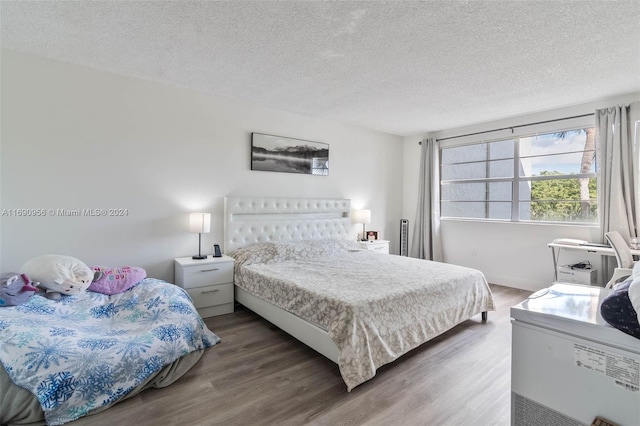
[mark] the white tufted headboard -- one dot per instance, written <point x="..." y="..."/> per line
<point x="248" y="220"/>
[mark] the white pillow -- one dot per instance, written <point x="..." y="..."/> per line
<point x="634" y="289"/>
<point x="63" y="274"/>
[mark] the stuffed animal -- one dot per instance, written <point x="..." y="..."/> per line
<point x="15" y="289"/>
<point x="60" y="274"/>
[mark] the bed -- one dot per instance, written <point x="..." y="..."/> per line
<point x="296" y="267"/>
<point x="67" y="358"/>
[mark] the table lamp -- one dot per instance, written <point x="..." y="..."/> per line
<point x="363" y="217"/>
<point x="200" y="223"/>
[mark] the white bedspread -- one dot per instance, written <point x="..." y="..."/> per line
<point x="375" y="307"/>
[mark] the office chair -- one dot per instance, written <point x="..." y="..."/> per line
<point x="623" y="257"/>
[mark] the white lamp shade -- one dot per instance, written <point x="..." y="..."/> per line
<point x="200" y="222"/>
<point x="361" y="216"/>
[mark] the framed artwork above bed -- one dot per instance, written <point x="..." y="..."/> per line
<point x="281" y="154"/>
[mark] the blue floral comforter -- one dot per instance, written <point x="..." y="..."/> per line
<point x="85" y="351"/>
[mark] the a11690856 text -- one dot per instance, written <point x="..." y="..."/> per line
<point x="60" y="212"/>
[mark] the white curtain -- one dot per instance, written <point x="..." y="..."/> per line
<point x="426" y="242"/>
<point x="619" y="161"/>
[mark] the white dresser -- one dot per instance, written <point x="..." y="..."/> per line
<point x="381" y="246"/>
<point x="209" y="282"/>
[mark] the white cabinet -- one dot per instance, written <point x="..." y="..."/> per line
<point x="209" y="282"/>
<point x="568" y="366"/>
<point x="380" y="246"/>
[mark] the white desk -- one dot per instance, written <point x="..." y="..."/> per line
<point x="602" y="251"/>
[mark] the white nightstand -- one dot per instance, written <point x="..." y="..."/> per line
<point x="209" y="282"/>
<point x="381" y="246"/>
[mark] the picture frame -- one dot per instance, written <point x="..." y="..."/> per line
<point x="371" y="235"/>
<point x="272" y="153"/>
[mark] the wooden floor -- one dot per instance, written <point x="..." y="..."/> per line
<point x="259" y="375"/>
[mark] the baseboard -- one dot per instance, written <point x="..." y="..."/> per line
<point x="516" y="282"/>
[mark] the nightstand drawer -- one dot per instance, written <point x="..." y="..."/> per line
<point x="204" y="297"/>
<point x="380" y="246"/>
<point x="205" y="275"/>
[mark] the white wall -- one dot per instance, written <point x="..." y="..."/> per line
<point x="75" y="138"/>
<point x="511" y="254"/>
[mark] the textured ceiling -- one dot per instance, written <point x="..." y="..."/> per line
<point x="399" y="67"/>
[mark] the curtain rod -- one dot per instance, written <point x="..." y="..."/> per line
<point x="512" y="127"/>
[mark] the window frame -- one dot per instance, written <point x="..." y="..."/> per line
<point x="557" y="126"/>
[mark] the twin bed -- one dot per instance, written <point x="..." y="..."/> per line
<point x="294" y="266"/>
<point x="64" y="359"/>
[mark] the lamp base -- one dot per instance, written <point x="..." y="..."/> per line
<point x="199" y="257"/>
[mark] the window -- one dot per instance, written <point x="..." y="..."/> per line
<point x="549" y="177"/>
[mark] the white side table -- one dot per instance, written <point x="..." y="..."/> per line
<point x="380" y="246"/>
<point x="209" y="282"/>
